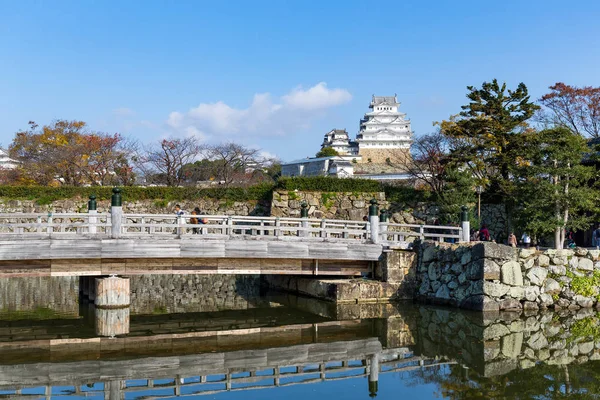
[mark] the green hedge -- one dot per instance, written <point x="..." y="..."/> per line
<point x="46" y="195"/>
<point x="328" y="184"/>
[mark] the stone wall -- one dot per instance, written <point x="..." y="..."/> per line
<point x="380" y="156"/>
<point x="494" y="344"/>
<point x="489" y="276"/>
<point x="41" y="295"/>
<point x="495" y="218"/>
<point x="350" y="206"/>
<point x="156" y="294"/>
<point x="207" y="205"/>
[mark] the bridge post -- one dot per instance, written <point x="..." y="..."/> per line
<point x="465" y="225"/>
<point x="374" y="221"/>
<point x="383" y="223"/>
<point x="116" y="214"/>
<point x="92" y="211"/>
<point x="373" y="375"/>
<point x="304" y="216"/>
<point x="112" y="322"/>
<point x="112" y="292"/>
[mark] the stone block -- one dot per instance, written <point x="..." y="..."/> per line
<point x="546" y="300"/>
<point x="594" y="254"/>
<point x="511" y="345"/>
<point x="511" y="274"/>
<point x="483" y="269"/>
<point x="500" y="368"/>
<point x="526" y="253"/>
<point x="537" y="341"/>
<point x="510" y="304"/>
<point x="537" y="275"/>
<point x="480" y="303"/>
<point x="495" y="290"/>
<point x="429" y="253"/>
<point x="495" y="331"/>
<point x="494" y="250"/>
<point x="551" y="286"/>
<point x="586" y="264"/>
<point x="543" y="260"/>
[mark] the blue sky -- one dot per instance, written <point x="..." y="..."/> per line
<point x="276" y="74"/>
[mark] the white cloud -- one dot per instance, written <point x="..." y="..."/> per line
<point x="317" y="97"/>
<point x="263" y="117"/>
<point x="175" y="119"/>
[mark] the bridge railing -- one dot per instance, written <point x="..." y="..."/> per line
<point x="404" y="232"/>
<point x="54" y="223"/>
<point x="156" y="225"/>
<point x="224" y="225"/>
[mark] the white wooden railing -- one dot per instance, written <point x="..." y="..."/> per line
<point x="169" y="225"/>
<point x="404" y="232"/>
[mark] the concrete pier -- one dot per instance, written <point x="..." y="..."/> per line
<point x="112" y="292"/>
<point x="112" y="322"/>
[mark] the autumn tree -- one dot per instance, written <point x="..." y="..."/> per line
<point x="165" y="159"/>
<point x="428" y="161"/>
<point x="577" y="109"/>
<point x="488" y="133"/>
<point x="233" y="161"/>
<point x="67" y="152"/>
<point x="327" y="152"/>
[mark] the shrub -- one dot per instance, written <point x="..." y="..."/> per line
<point x="46" y="195"/>
<point x="328" y="184"/>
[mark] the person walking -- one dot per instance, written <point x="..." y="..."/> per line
<point x="526" y="240"/>
<point x="484" y="234"/>
<point x="194" y="221"/>
<point x="512" y="240"/>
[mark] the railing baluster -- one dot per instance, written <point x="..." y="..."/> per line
<point x="39" y="222"/>
<point x="277" y="225"/>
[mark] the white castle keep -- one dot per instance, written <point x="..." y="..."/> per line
<point x="384" y="133"/>
<point x="384" y="137"/>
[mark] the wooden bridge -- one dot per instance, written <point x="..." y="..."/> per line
<point x="125" y="244"/>
<point x="210" y="373"/>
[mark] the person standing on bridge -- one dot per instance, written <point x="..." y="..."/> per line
<point x="195" y="221"/>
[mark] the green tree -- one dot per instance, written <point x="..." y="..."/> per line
<point x="553" y="190"/>
<point x="327" y="152"/>
<point x="487" y="134"/>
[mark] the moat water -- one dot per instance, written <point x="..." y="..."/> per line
<point x="225" y="338"/>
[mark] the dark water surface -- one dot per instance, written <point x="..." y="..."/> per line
<point x="176" y="342"/>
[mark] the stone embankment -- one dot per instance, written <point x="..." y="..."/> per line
<point x="152" y="294"/>
<point x="497" y="343"/>
<point x="488" y="276"/>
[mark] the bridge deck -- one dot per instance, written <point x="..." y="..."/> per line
<point x="81" y="255"/>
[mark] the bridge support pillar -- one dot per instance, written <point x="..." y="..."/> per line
<point x="112" y="322"/>
<point x="397" y="266"/>
<point x="112" y="292"/>
<point x="373" y="375"/>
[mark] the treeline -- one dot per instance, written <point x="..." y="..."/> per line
<point x="47" y="194"/>
<point x="539" y="157"/>
<point x="68" y="153"/>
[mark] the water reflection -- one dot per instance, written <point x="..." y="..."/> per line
<point x="296" y="345"/>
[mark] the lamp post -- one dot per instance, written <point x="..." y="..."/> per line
<point x="479" y="190"/>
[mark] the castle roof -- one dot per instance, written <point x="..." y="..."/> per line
<point x="376" y="100"/>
